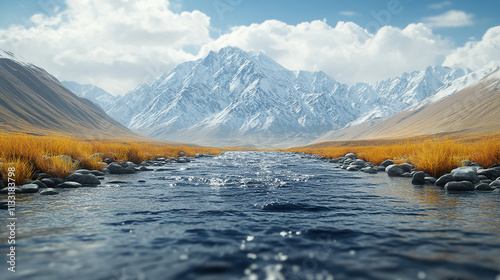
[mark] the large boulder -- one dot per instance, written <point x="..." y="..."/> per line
<point x="406" y="167"/>
<point x="466" y="173"/>
<point x="441" y="182"/>
<point x="394" y="170"/>
<point x="84" y="178"/>
<point x="418" y="178"/>
<point x="495" y="184"/>
<point x="459" y="186"/>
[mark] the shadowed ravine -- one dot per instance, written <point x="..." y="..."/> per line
<point x="256" y="215"/>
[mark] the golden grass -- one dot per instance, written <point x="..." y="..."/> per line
<point x="434" y="155"/>
<point x="30" y="154"/>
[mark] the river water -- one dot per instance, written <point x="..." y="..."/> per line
<point x="256" y="215"/>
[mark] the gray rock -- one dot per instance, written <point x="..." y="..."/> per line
<point x="97" y="173"/>
<point x="487" y="181"/>
<point x="141" y="181"/>
<point x="4" y="205"/>
<point x="145" y="168"/>
<point x="182" y="160"/>
<point x="182" y="154"/>
<point x="482" y="177"/>
<point x="441" y="182"/>
<point x="351" y="156"/>
<point x="418" y="178"/>
<point x="496" y="190"/>
<point x="353" y="168"/>
<point x="406" y="175"/>
<point x="57" y="181"/>
<point x="29" y="188"/>
<point x="466" y="173"/>
<point x="459" y="186"/>
<point x="359" y="162"/>
<point x="490" y="173"/>
<point x="40" y="176"/>
<point x="430" y="180"/>
<point x="483" y="187"/>
<point x="49" y="191"/>
<point x="198" y="156"/>
<point x="369" y="170"/>
<point x="40" y="184"/>
<point x="82" y="171"/>
<point x="495" y="184"/>
<point x="6" y="190"/>
<point x="334" y="160"/>
<point x="379" y="168"/>
<point x="118" y="169"/>
<point x="387" y="162"/>
<point x="68" y="185"/>
<point x="406" y="167"/>
<point x="394" y="170"/>
<point x="84" y="179"/>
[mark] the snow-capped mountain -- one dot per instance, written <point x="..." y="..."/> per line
<point x="232" y="97"/>
<point x="93" y="93"/>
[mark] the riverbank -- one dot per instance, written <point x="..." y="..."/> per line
<point x="59" y="156"/>
<point x="433" y="155"/>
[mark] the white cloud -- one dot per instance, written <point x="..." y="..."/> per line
<point x="119" y="44"/>
<point x="451" y="18"/>
<point x="114" y="44"/>
<point x="440" y="5"/>
<point x="347" y="52"/>
<point x="476" y="55"/>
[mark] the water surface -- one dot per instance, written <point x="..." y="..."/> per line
<point x="256" y="215"/>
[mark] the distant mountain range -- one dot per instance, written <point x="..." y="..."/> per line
<point x="233" y="97"/>
<point x="33" y="101"/>
<point x="475" y="109"/>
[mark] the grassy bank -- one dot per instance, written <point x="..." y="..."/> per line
<point x="434" y="155"/>
<point x="30" y="154"/>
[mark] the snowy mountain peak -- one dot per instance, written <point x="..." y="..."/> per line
<point x="233" y="97"/>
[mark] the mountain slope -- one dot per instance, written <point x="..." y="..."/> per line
<point x="33" y="101"/>
<point x="474" y="109"/>
<point x="93" y="93"/>
<point x="232" y="97"/>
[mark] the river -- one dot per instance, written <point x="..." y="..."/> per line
<point x="256" y="215"/>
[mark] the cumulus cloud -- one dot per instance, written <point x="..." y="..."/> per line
<point x="119" y="44"/>
<point x="476" y="55"/>
<point x="114" y="44"/>
<point x="347" y="52"/>
<point x="451" y="18"/>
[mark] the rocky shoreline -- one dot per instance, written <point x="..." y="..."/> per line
<point x="45" y="184"/>
<point x="470" y="177"/>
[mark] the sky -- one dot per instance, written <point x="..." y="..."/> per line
<point x="119" y="44"/>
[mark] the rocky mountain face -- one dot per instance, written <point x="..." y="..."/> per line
<point x="33" y="101"/>
<point x="472" y="110"/>
<point x="232" y="97"/>
<point x="93" y="93"/>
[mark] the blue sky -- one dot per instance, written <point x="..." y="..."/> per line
<point x="119" y="44"/>
<point x="245" y="12"/>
